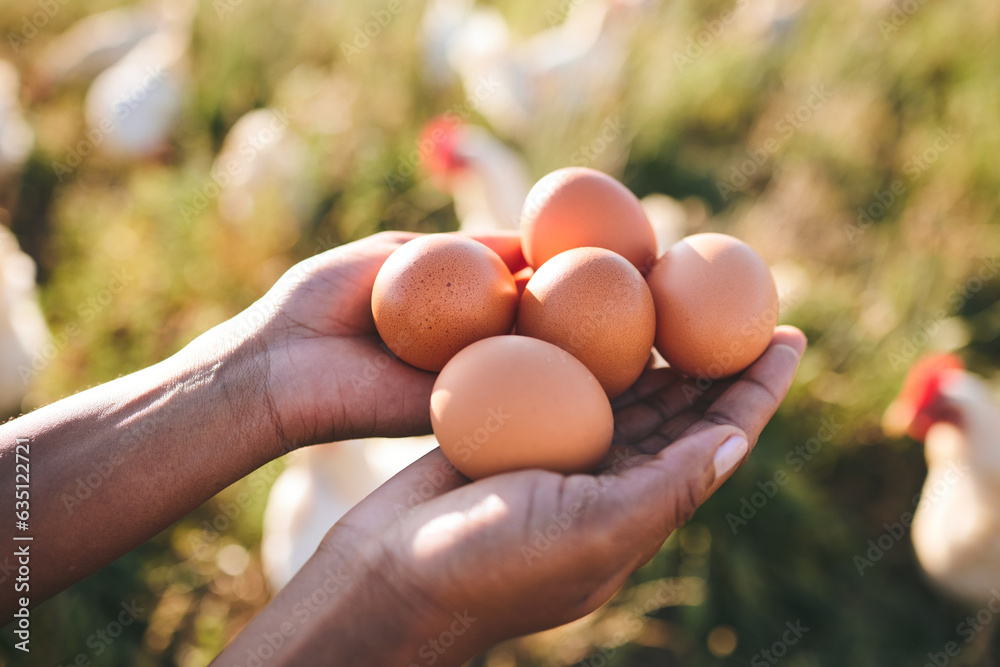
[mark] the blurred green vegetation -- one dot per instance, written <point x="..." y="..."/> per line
<point x="871" y="297"/>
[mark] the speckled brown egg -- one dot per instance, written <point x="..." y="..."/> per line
<point x="716" y="305"/>
<point x="512" y="402"/>
<point x="578" y="207"/>
<point x="438" y="293"/>
<point x="594" y="304"/>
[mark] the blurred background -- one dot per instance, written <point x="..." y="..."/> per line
<point x="164" y="163"/>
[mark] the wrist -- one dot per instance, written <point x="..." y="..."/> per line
<point x="394" y="619"/>
<point x="352" y="602"/>
<point x="231" y="365"/>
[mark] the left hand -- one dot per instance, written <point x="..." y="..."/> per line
<point x="327" y="375"/>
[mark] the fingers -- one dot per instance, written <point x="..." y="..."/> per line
<point x="649" y="501"/>
<point x="507" y="244"/>
<point x="650" y="382"/>
<point x="752" y="399"/>
<point x="660" y="397"/>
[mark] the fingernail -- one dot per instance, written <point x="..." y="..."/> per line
<point x="729" y="454"/>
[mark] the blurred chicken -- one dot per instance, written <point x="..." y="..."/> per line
<point x="23" y="332"/>
<point x="137" y="58"/>
<point x="95" y="43"/>
<point x="262" y="156"/>
<point x="956" y="528"/>
<point x="449" y="26"/>
<point x="560" y="71"/>
<point x="16" y="136"/>
<point x="269" y="163"/>
<point x="487" y="180"/>
<point x="320" y="484"/>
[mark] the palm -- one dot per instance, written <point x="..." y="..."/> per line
<point x="340" y="381"/>
<point x="567" y="543"/>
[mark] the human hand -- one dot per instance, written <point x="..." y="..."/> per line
<point x="528" y="550"/>
<point x="326" y="374"/>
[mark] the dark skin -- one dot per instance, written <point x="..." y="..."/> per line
<point x="402" y="567"/>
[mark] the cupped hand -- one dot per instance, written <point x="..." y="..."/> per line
<point x="329" y="376"/>
<point x="528" y="550"/>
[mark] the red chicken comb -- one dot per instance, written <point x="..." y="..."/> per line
<point x="439" y="141"/>
<point x="923" y="383"/>
<point x="913" y="411"/>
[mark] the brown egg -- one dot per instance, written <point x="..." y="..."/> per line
<point x="578" y="207"/>
<point x="438" y="293"/>
<point x="513" y="402"/>
<point x="716" y="305"/>
<point x="594" y="304"/>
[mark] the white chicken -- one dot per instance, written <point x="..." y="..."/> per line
<point x="23" y="332"/>
<point x="95" y="43"/>
<point x="487" y="180"/>
<point x="559" y="71"/>
<point x="956" y="528"/>
<point x="16" y="135"/>
<point x="261" y="156"/>
<point x="272" y="156"/>
<point x="319" y="486"/>
<point x="450" y="26"/>
<point x="137" y="58"/>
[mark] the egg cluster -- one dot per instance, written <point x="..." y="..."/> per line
<point x="586" y="321"/>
